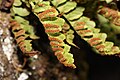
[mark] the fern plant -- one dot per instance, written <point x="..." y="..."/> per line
<point x="60" y="19"/>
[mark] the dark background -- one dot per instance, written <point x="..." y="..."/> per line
<point x="104" y="67"/>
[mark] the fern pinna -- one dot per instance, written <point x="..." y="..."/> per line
<point x="53" y="27"/>
<point x="85" y="27"/>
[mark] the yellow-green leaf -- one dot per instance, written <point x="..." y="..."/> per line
<point x="68" y="6"/>
<point x="75" y="14"/>
<point x="17" y="2"/>
<point x="58" y="2"/>
<point x="21" y="11"/>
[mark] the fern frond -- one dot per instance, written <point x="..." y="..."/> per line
<point x="53" y="27"/>
<point x="94" y="38"/>
<point x="21" y="34"/>
<point x="111" y="14"/>
<point x="86" y="28"/>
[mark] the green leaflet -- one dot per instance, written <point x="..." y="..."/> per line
<point x="41" y="6"/>
<point x="68" y="6"/>
<point x="88" y="23"/>
<point x="28" y="45"/>
<point x="110" y="49"/>
<point x="44" y="3"/>
<point x="70" y="37"/>
<point x="21" y="20"/>
<point x="58" y="21"/>
<point x="87" y="26"/>
<point x="67" y="55"/>
<point x="84" y="19"/>
<point x="58" y="2"/>
<point x="102" y="36"/>
<point x="61" y="36"/>
<point x="20" y="11"/>
<point x="77" y="13"/>
<point x="108" y="46"/>
<point x="38" y="9"/>
<point x="28" y="28"/>
<point x="95" y="30"/>
<point x="47" y="14"/>
<point x="34" y="1"/>
<point x="17" y="3"/>
<point x="115" y="49"/>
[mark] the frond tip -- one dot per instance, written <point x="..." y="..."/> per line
<point x="61" y="50"/>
